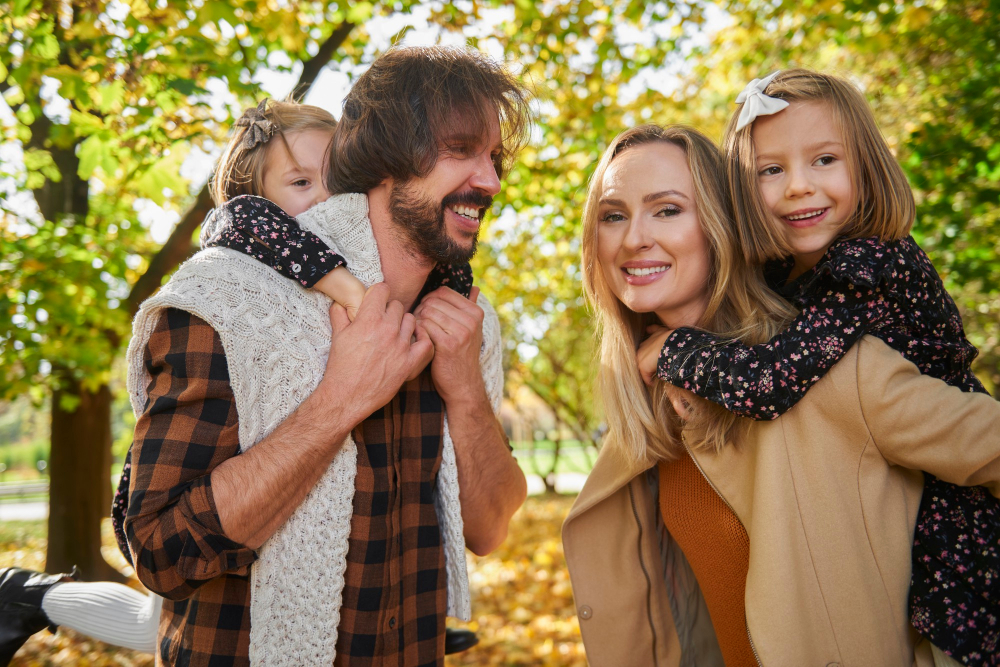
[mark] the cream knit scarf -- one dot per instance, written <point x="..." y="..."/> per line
<point x="276" y="335"/>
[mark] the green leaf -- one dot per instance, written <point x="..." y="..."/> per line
<point x="93" y="152"/>
<point x="111" y="95"/>
<point x="360" y="12"/>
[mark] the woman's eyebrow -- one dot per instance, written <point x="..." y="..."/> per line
<point x="665" y="193"/>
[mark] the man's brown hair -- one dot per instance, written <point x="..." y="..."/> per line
<point x="400" y="110"/>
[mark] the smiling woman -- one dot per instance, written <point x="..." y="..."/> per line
<point x="734" y="542"/>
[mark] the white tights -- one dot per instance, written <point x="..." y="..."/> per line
<point x="112" y="613"/>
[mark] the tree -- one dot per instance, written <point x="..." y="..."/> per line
<point x="134" y="82"/>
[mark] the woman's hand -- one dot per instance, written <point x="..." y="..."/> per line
<point x="649" y="351"/>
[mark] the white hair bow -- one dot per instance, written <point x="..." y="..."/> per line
<point x="756" y="103"/>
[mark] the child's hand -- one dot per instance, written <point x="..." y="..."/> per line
<point x="649" y="352"/>
<point x="343" y="288"/>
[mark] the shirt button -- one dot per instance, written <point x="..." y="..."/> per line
<point x="392" y="622"/>
<point x="586" y="612"/>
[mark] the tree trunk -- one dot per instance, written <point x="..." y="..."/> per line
<point x="79" y="489"/>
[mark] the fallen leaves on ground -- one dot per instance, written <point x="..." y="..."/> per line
<point x="522" y="604"/>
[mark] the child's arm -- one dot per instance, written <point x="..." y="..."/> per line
<point x="764" y="381"/>
<point x="343" y="288"/>
<point x="260" y="229"/>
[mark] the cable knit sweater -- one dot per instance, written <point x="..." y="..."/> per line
<point x="277" y="338"/>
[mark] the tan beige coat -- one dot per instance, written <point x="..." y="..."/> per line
<point x="828" y="494"/>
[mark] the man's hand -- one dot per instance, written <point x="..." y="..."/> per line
<point x="372" y="356"/>
<point x="649" y="351"/>
<point x="454" y="325"/>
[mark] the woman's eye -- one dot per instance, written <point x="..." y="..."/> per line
<point x="826" y="160"/>
<point x="669" y="211"/>
<point x="612" y="217"/>
<point x="769" y="171"/>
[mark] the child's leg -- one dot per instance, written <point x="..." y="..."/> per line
<point x="110" y="612"/>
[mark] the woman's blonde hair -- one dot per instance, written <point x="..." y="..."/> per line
<point x="885" y="202"/>
<point x="642" y="424"/>
<point x="244" y="161"/>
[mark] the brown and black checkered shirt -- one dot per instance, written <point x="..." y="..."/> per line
<point x="394" y="599"/>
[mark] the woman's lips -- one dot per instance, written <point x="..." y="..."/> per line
<point x="644" y="274"/>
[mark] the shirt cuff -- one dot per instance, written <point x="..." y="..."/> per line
<point x="678" y="361"/>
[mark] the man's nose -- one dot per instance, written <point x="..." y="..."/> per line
<point x="484" y="177"/>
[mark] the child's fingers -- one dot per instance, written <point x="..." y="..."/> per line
<point x="352" y="310"/>
<point x="474" y="294"/>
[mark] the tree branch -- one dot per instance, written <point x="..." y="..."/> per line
<point x="178" y="247"/>
<point x="312" y="67"/>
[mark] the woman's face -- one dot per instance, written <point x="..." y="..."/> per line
<point x="650" y="244"/>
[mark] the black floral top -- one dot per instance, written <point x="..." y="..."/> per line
<point x="889" y="290"/>
<point x="860" y="286"/>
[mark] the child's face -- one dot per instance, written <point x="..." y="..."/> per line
<point x="297" y="185"/>
<point x="804" y="176"/>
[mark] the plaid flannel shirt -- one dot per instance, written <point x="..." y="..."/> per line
<point x="394" y="599"/>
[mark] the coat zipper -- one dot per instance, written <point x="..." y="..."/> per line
<point x="746" y="622"/>
<point x="645" y="572"/>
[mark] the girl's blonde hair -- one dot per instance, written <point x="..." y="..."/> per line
<point x="642" y="424"/>
<point x="885" y="202"/>
<point x="243" y="163"/>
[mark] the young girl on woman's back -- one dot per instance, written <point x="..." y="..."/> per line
<point x="821" y="202"/>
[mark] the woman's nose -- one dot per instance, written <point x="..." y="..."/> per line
<point x="636" y="235"/>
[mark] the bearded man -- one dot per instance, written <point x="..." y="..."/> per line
<point x="303" y="486"/>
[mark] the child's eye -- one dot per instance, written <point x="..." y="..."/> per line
<point x="826" y="160"/>
<point x="301" y="183"/>
<point x="769" y="171"/>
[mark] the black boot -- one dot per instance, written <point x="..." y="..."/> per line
<point x="21" y="614"/>
<point x="456" y="641"/>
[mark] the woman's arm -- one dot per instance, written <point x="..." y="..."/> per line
<point x="764" y="381"/>
<point x="922" y="423"/>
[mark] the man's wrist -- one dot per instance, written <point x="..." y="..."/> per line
<point x="332" y="415"/>
<point x="470" y="399"/>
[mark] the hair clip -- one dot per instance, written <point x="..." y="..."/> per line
<point x="756" y="103"/>
<point x="259" y="128"/>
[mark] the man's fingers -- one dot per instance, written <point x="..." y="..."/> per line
<point x="406" y="326"/>
<point x="338" y="318"/>
<point x="375" y="299"/>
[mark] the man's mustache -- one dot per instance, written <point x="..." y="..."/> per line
<point x="470" y="198"/>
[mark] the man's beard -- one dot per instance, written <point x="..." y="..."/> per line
<point x="420" y="222"/>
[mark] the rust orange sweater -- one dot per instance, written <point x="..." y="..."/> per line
<point x="718" y="549"/>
